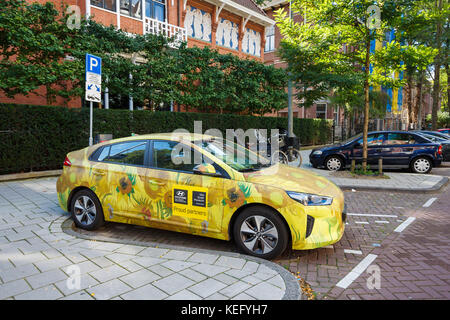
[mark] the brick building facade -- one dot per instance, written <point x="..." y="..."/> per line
<point x="236" y="27"/>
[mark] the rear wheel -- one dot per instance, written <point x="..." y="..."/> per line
<point x="87" y="213"/>
<point x="260" y="232"/>
<point x="421" y="165"/>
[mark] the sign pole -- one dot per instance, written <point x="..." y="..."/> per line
<point x="91" y="117"/>
<point x="93" y="87"/>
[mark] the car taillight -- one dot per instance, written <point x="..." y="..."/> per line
<point x="67" y="162"/>
<point x="440" y="150"/>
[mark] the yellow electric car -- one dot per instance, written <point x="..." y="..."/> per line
<point x="205" y="186"/>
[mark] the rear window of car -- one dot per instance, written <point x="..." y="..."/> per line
<point x="131" y="153"/>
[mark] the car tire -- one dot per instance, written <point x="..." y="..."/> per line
<point x="334" y="163"/>
<point x="86" y="210"/>
<point x="421" y="165"/>
<point x="259" y="231"/>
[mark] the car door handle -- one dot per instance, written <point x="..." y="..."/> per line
<point x="156" y="182"/>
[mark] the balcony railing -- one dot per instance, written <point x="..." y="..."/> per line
<point x="168" y="30"/>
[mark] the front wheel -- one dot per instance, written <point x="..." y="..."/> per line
<point x="260" y="232"/>
<point x="421" y="165"/>
<point x="334" y="163"/>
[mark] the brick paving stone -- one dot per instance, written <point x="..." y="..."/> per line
<point x="109" y="273"/>
<point x="147" y="261"/>
<point x="80" y="295"/>
<point x="177" y="255"/>
<point x="46" y="278"/>
<point x="235" y="263"/>
<point x="13" y="288"/>
<point x="235" y="289"/>
<point x="68" y="287"/>
<point x="177" y="265"/>
<point x="207" y="287"/>
<point x="173" y="283"/>
<point x="108" y="290"/>
<point x="184" y="295"/>
<point x="209" y="270"/>
<point x="139" y="278"/>
<point x="146" y="292"/>
<point x="46" y="293"/>
<point x="203" y="258"/>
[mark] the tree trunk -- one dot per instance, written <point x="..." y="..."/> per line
<point x="437" y="67"/>
<point x="419" y="102"/>
<point x="409" y="99"/>
<point x="366" y="103"/>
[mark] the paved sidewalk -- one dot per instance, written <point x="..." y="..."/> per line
<point x="398" y="181"/>
<point x="39" y="261"/>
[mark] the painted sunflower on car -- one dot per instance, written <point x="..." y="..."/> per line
<point x="201" y="185"/>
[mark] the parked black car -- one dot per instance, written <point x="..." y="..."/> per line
<point x="399" y="149"/>
<point x="441" y="139"/>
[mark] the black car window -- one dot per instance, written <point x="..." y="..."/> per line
<point x="395" y="138"/>
<point x="132" y="153"/>
<point x="162" y="156"/>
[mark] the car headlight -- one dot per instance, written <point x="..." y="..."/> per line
<point x="308" y="199"/>
<point x="317" y="152"/>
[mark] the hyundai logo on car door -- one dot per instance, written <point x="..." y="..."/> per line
<point x="180" y="196"/>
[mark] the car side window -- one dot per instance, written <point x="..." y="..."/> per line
<point x="162" y="156"/>
<point x="400" y="138"/>
<point x="132" y="153"/>
<point x="373" y="139"/>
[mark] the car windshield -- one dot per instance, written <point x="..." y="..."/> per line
<point x="234" y="155"/>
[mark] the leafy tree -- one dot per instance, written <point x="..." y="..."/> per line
<point x="343" y="31"/>
<point x="34" y="46"/>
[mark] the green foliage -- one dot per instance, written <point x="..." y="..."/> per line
<point x="443" y="119"/>
<point x="38" y="137"/>
<point x="34" y="40"/>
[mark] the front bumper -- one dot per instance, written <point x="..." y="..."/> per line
<point x="316" y="161"/>
<point x="324" y="227"/>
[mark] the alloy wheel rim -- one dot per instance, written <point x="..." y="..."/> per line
<point x="259" y="234"/>
<point x="422" y="165"/>
<point x="334" y="164"/>
<point x="85" y="211"/>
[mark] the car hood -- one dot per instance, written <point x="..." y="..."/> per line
<point x="326" y="148"/>
<point x="294" y="179"/>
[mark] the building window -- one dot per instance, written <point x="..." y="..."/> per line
<point x="270" y="39"/>
<point x="321" y="111"/>
<point x="155" y="9"/>
<point x="336" y="115"/>
<point x="132" y="8"/>
<point x="105" y="4"/>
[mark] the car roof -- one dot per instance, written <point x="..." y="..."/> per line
<point x="162" y="136"/>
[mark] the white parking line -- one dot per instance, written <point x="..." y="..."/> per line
<point x="356" y="271"/>
<point x="372" y="215"/>
<point x="405" y="223"/>
<point x="361" y="222"/>
<point x="382" y="221"/>
<point x="429" y="202"/>
<point x="353" y="251"/>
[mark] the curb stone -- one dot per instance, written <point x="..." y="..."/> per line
<point x="443" y="182"/>
<point x="292" y="291"/>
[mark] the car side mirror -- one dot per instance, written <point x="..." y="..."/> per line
<point x="206" y="169"/>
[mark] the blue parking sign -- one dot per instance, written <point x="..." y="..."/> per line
<point x="93" y="64"/>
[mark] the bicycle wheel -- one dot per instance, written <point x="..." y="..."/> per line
<point x="279" y="157"/>
<point x="294" y="158"/>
